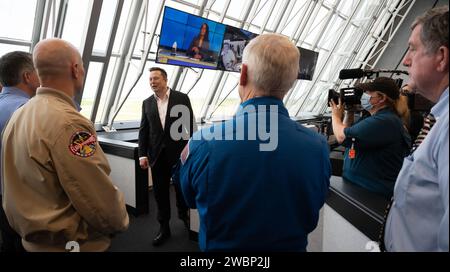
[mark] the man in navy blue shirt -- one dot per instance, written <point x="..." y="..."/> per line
<point x="260" y="179"/>
<point x="20" y="81"/>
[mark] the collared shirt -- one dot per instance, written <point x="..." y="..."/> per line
<point x="163" y="103"/>
<point x="381" y="142"/>
<point x="418" y="220"/>
<point x="11" y="99"/>
<point x="249" y="199"/>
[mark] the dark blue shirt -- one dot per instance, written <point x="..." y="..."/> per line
<point x="381" y="142"/>
<point x="10" y="100"/>
<point x="249" y="199"/>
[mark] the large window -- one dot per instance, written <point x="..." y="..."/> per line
<point x="347" y="34"/>
<point x="17" y="19"/>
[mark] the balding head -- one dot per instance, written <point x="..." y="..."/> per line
<point x="57" y="61"/>
<point x="272" y="63"/>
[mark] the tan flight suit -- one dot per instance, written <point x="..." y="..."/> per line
<point x="56" y="185"/>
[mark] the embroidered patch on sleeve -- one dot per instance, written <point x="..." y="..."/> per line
<point x="83" y="144"/>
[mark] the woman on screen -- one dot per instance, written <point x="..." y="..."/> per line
<point x="200" y="44"/>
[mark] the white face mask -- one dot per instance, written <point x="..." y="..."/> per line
<point x="365" y="102"/>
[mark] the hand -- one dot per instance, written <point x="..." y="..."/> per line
<point x="337" y="111"/>
<point x="195" y="49"/>
<point x="143" y="163"/>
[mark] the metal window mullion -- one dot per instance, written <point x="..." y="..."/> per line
<point x="143" y="61"/>
<point x="38" y="22"/>
<point x="371" y="33"/>
<point x="363" y="38"/>
<point x="106" y="59"/>
<point x="297" y="86"/>
<point x="289" y="8"/>
<point x="303" y="20"/>
<point x="15" y="42"/>
<point x="315" y="11"/>
<point x="307" y="94"/>
<point x="393" y="33"/>
<point x="48" y="14"/>
<point x="282" y="16"/>
<point x="255" y="11"/>
<point x="60" y="20"/>
<point x="376" y="48"/>
<point x="130" y="29"/>
<point x="295" y="15"/>
<point x="95" y="9"/>
<point x="330" y="54"/>
<point x="266" y="20"/>
<point x="130" y="54"/>
<point x="331" y="14"/>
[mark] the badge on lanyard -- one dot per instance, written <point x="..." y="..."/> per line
<point x="352" y="151"/>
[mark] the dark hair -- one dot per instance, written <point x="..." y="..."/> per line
<point x="434" y="28"/>
<point x="207" y="31"/>
<point x="163" y="72"/>
<point x="12" y="65"/>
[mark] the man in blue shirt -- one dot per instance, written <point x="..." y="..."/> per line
<point x="260" y="179"/>
<point x="20" y="81"/>
<point x="418" y="219"/>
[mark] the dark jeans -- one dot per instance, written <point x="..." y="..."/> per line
<point x="11" y="241"/>
<point x="161" y="174"/>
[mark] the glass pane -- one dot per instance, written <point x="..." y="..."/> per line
<point x="6" y="48"/>
<point x="121" y="28"/>
<point x="52" y="19"/>
<point x="90" y="88"/>
<point x="229" y="99"/>
<point x="132" y="109"/>
<point x="106" y="87"/>
<point x="17" y="18"/>
<point x="75" y="23"/>
<point x="104" y="26"/>
<point x="200" y="91"/>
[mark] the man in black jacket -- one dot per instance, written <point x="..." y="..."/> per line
<point x="166" y="126"/>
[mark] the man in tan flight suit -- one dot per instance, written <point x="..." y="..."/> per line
<point x="56" y="177"/>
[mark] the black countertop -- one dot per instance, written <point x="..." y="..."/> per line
<point x="363" y="209"/>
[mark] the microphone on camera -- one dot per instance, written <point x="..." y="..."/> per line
<point x="358" y="73"/>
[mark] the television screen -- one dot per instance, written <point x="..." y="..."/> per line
<point x="308" y="61"/>
<point x="189" y="40"/>
<point x="234" y="42"/>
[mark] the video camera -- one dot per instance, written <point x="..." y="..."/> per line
<point x="350" y="98"/>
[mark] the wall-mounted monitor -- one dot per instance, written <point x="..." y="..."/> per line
<point x="189" y="40"/>
<point x="234" y="42"/>
<point x="308" y="61"/>
<point x="194" y="41"/>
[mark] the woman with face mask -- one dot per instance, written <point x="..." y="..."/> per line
<point x="376" y="145"/>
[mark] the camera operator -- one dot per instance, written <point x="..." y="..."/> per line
<point x="376" y="145"/>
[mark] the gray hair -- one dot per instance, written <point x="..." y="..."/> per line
<point x="273" y="63"/>
<point x="434" y="28"/>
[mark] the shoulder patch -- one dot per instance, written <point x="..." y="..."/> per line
<point x="83" y="144"/>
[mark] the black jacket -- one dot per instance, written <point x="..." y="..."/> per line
<point x="152" y="137"/>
